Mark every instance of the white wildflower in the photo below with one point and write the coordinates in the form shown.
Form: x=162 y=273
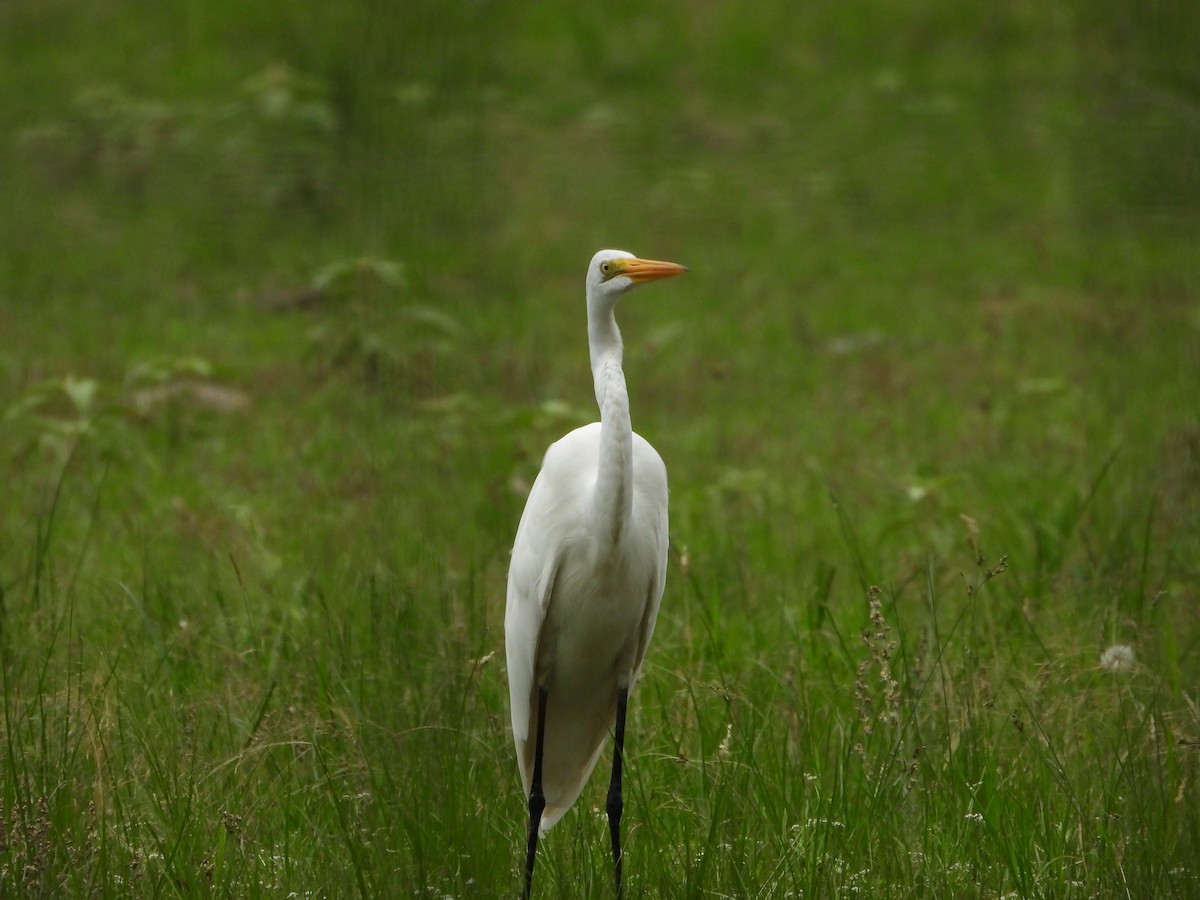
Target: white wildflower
x=723 y=749
x=1117 y=658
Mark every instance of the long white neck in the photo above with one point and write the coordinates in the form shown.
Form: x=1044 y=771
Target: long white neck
x=613 y=498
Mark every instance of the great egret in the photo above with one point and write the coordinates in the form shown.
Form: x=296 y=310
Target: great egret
x=585 y=579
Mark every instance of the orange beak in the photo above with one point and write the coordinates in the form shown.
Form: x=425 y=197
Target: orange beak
x=639 y=271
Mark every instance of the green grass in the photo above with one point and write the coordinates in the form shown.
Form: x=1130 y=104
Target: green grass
x=291 y=304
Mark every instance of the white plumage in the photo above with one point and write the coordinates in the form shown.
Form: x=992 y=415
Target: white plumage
x=587 y=571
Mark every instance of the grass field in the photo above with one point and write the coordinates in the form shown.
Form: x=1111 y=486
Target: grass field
x=291 y=304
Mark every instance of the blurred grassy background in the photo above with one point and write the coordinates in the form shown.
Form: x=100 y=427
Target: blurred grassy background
x=291 y=303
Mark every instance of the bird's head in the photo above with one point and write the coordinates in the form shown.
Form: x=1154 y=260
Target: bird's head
x=613 y=273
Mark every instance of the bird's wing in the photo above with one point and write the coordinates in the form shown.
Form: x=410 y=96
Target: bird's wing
x=652 y=475
x=531 y=574
x=646 y=630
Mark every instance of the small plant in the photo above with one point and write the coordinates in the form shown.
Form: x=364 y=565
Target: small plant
x=365 y=332
x=272 y=144
x=53 y=416
x=279 y=139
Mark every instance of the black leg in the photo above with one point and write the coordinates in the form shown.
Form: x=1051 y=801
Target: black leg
x=537 y=800
x=615 y=803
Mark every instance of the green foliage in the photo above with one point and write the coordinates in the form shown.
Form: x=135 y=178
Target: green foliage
x=291 y=305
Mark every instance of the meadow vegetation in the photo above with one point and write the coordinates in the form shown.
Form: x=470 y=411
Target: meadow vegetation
x=291 y=304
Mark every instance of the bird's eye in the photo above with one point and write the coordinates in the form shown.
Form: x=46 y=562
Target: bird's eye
x=604 y=267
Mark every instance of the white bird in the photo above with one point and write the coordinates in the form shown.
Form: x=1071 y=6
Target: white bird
x=585 y=579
